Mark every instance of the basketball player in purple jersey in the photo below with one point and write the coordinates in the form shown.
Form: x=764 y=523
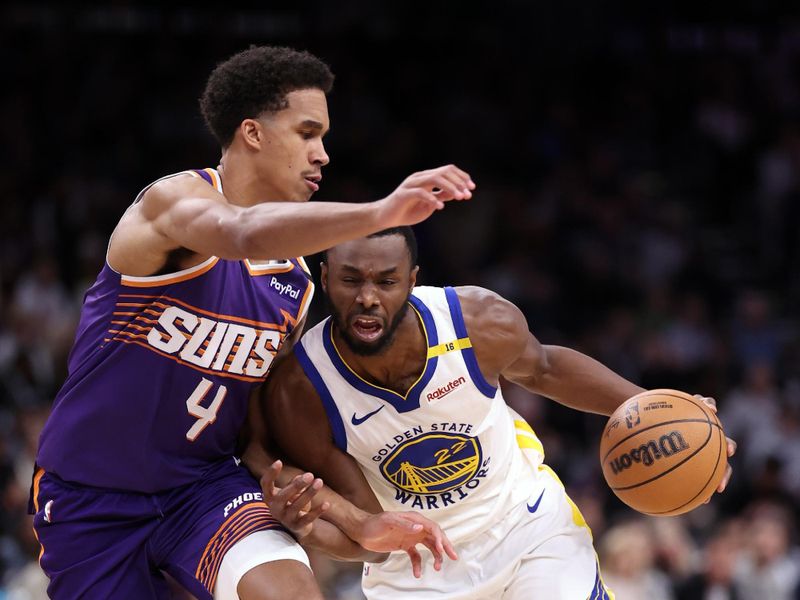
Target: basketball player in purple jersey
x=201 y=289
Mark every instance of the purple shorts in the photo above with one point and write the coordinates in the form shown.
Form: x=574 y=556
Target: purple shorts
x=101 y=544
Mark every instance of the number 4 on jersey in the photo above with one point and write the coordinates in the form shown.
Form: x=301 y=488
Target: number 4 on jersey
x=205 y=416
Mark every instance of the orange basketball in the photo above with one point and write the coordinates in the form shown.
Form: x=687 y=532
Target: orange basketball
x=663 y=452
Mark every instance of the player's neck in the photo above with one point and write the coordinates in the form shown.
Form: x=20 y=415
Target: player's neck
x=399 y=364
x=241 y=184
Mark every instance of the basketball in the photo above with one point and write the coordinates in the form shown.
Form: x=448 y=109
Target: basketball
x=663 y=452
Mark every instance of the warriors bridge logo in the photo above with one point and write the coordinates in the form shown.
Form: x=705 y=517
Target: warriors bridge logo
x=443 y=467
x=651 y=451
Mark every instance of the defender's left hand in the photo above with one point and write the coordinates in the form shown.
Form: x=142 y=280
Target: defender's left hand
x=712 y=404
x=291 y=505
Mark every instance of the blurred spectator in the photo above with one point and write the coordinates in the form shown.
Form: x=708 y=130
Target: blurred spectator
x=756 y=336
x=689 y=340
x=787 y=451
x=715 y=579
x=751 y=413
x=675 y=552
x=41 y=300
x=628 y=562
x=770 y=565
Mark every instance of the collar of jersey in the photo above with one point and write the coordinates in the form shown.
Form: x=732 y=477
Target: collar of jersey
x=401 y=403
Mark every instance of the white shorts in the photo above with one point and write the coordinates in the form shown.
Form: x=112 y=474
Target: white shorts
x=542 y=549
x=256 y=549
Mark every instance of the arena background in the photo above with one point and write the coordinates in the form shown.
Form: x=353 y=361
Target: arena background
x=638 y=197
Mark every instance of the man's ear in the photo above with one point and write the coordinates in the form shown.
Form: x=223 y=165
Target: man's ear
x=323 y=276
x=252 y=133
x=413 y=279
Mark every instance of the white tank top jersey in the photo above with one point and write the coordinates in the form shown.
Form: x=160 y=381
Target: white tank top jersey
x=448 y=447
x=453 y=450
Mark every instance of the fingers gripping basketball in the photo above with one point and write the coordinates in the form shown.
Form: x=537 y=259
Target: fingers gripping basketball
x=663 y=452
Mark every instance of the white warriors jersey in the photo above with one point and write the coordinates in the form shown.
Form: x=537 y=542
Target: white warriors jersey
x=449 y=447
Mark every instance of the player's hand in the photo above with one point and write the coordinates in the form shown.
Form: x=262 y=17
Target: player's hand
x=712 y=404
x=291 y=505
x=421 y=193
x=389 y=531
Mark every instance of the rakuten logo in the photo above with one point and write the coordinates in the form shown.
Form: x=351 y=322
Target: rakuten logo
x=441 y=392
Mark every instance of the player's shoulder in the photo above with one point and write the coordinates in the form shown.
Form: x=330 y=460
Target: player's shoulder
x=476 y=294
x=289 y=395
x=288 y=376
x=167 y=190
x=490 y=317
x=486 y=306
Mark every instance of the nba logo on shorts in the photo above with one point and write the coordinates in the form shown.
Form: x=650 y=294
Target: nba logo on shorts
x=47 y=509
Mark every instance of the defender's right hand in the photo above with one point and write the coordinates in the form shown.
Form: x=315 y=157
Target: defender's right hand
x=291 y=505
x=421 y=193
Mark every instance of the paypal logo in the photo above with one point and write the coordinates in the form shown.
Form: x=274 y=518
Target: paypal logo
x=285 y=289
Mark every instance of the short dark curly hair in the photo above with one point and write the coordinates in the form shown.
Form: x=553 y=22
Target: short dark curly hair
x=256 y=81
x=403 y=230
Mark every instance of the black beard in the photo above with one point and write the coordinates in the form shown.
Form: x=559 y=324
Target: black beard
x=355 y=345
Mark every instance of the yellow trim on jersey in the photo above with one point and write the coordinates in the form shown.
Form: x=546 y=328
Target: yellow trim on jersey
x=577 y=516
x=523 y=425
x=401 y=396
x=459 y=344
x=526 y=436
x=526 y=441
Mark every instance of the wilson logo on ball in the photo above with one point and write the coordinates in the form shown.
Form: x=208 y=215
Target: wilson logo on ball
x=646 y=454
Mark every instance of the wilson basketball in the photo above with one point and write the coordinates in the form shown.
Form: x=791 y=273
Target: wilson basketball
x=663 y=452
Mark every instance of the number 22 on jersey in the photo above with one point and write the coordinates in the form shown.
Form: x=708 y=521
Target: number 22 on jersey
x=205 y=415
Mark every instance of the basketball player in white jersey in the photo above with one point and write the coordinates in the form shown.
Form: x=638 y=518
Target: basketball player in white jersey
x=394 y=402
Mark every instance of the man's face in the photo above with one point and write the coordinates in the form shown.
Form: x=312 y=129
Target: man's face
x=291 y=154
x=367 y=283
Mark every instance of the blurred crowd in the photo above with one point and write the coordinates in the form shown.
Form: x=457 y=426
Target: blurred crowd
x=638 y=197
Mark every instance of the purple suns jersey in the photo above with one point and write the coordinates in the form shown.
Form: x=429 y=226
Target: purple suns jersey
x=162 y=369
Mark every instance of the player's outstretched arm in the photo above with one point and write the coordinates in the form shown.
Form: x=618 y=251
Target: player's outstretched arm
x=298 y=426
x=505 y=347
x=185 y=212
x=295 y=498
x=294 y=506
